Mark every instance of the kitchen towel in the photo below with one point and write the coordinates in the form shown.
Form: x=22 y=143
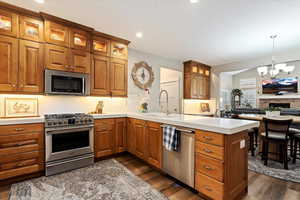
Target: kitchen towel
x=171 y=138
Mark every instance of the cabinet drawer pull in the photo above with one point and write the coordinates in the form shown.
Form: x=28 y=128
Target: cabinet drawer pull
x=208 y=168
x=19 y=129
x=20 y=164
x=208 y=188
x=207 y=150
x=208 y=138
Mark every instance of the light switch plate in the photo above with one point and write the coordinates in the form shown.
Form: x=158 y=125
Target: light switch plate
x=242 y=144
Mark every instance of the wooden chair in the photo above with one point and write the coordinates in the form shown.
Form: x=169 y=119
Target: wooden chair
x=296 y=145
x=292 y=133
x=276 y=131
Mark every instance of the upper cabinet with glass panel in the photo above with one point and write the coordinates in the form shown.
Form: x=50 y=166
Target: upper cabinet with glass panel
x=31 y=29
x=101 y=46
x=79 y=39
x=119 y=50
x=8 y=23
x=56 y=33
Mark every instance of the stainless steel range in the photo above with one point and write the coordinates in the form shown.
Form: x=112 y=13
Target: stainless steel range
x=69 y=142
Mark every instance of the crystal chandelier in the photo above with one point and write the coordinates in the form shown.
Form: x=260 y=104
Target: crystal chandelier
x=274 y=69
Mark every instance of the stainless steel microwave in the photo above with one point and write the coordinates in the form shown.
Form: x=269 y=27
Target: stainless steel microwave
x=66 y=83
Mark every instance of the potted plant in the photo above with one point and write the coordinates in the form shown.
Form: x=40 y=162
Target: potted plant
x=273 y=112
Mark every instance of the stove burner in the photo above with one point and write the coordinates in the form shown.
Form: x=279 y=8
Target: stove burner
x=61 y=120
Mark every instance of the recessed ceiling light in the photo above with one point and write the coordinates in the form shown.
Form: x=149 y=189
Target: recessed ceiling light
x=139 y=34
x=40 y=1
x=194 y=1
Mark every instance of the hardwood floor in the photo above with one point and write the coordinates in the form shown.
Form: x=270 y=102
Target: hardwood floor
x=261 y=187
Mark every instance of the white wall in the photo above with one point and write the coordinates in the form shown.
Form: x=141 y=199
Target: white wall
x=135 y=94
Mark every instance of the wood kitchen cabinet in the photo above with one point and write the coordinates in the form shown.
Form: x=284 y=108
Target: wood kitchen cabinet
x=9 y=23
x=8 y=64
x=101 y=46
x=144 y=139
x=118 y=77
x=131 y=139
x=196 y=80
x=154 y=144
x=80 y=61
x=21 y=150
x=56 y=33
x=100 y=77
x=118 y=50
x=31 y=29
x=30 y=74
x=65 y=59
x=218 y=174
x=140 y=138
x=121 y=134
x=57 y=57
x=104 y=138
x=79 y=39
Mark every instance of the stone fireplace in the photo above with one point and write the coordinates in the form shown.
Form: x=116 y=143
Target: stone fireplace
x=283 y=103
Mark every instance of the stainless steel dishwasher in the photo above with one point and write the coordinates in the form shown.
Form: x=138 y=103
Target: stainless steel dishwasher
x=181 y=164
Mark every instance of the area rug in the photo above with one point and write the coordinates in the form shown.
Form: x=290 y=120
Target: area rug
x=105 y=180
x=275 y=169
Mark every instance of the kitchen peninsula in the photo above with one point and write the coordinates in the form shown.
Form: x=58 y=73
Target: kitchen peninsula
x=220 y=150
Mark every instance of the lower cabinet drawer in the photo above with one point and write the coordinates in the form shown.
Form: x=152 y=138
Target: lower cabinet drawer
x=210 y=167
x=6 y=174
x=21 y=160
x=209 y=186
x=21 y=143
x=210 y=150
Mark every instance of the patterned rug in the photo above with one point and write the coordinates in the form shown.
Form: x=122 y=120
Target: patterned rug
x=105 y=180
x=275 y=169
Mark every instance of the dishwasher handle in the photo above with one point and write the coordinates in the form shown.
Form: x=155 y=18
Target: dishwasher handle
x=184 y=130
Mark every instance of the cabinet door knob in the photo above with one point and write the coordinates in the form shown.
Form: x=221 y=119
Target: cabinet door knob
x=14 y=85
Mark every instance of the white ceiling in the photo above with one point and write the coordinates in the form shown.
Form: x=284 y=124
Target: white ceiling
x=212 y=31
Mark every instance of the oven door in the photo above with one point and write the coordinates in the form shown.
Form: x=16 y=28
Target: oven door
x=69 y=142
x=66 y=83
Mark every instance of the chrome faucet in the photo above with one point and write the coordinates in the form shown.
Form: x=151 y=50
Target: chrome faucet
x=167 y=95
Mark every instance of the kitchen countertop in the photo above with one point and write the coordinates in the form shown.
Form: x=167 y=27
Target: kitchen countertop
x=219 y=125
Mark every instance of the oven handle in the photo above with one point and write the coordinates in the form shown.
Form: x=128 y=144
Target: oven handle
x=54 y=132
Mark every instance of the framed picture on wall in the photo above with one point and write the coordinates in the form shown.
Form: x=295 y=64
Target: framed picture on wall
x=21 y=107
x=205 y=107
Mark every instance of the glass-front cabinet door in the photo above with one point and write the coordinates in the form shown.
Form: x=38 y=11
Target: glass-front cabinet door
x=119 y=50
x=79 y=40
x=56 y=34
x=101 y=46
x=8 y=23
x=31 y=29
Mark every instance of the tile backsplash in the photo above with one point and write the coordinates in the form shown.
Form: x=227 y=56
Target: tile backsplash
x=71 y=104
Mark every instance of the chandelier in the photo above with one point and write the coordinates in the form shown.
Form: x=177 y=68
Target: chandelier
x=274 y=69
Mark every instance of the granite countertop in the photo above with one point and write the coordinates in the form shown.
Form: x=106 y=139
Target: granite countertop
x=219 y=125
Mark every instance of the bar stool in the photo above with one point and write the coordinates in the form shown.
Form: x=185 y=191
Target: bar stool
x=276 y=131
x=292 y=132
x=296 y=145
x=253 y=137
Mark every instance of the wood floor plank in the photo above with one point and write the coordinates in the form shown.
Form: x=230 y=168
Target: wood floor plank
x=149 y=175
x=172 y=189
x=182 y=194
x=160 y=182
